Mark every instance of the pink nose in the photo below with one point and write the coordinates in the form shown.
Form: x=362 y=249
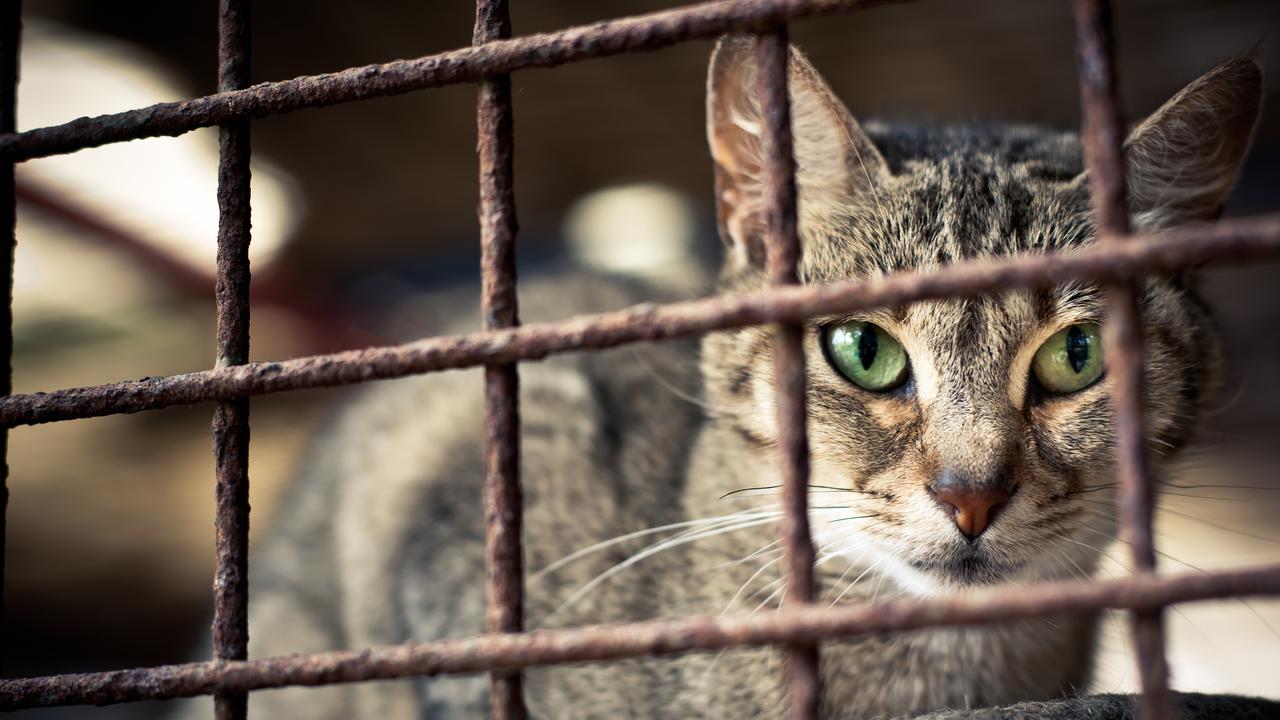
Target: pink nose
x=972 y=507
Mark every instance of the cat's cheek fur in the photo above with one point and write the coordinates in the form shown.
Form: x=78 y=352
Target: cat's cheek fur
x=1066 y=430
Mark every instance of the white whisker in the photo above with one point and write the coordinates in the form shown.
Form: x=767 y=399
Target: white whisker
x=738 y=595
x=657 y=548
x=638 y=534
x=856 y=580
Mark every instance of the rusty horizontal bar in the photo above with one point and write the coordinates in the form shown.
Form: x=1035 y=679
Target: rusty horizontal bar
x=507 y=651
x=471 y=64
x=1226 y=241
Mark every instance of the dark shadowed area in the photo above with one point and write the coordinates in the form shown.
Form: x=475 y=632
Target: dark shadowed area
x=362 y=209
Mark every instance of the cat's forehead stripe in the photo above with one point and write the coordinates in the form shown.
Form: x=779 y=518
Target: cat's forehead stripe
x=939 y=212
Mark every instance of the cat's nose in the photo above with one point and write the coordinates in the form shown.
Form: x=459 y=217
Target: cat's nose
x=973 y=506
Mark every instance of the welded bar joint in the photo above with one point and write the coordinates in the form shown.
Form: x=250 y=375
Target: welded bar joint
x=231 y=416
x=1103 y=135
x=782 y=244
x=504 y=554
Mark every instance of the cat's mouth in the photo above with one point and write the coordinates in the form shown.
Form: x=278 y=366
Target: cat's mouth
x=967 y=566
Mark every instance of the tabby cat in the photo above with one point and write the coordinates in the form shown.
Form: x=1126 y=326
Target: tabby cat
x=951 y=440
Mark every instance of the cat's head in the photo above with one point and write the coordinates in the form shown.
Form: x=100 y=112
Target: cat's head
x=975 y=433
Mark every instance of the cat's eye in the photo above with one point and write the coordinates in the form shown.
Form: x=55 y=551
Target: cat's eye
x=867 y=355
x=1071 y=360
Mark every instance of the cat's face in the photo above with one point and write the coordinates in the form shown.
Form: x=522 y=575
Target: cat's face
x=964 y=441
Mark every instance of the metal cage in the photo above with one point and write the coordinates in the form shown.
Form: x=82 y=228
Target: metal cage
x=1117 y=261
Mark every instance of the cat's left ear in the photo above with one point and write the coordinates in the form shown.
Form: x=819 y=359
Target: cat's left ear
x=835 y=160
x=1185 y=157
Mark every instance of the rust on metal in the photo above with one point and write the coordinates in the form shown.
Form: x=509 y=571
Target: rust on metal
x=466 y=65
x=504 y=554
x=782 y=244
x=231 y=416
x=513 y=651
x=1103 y=135
x=1222 y=242
x=10 y=39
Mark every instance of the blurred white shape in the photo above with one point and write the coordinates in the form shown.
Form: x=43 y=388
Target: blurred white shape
x=162 y=190
x=58 y=275
x=640 y=229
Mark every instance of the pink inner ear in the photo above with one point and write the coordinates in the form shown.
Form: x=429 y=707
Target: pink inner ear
x=724 y=153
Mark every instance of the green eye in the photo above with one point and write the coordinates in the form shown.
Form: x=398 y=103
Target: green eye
x=1071 y=360
x=866 y=355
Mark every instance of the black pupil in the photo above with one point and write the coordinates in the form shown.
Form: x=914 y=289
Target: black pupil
x=1077 y=348
x=867 y=346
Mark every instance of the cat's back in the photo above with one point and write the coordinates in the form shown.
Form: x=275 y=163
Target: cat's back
x=380 y=539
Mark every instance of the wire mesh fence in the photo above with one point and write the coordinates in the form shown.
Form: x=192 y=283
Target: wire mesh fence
x=1117 y=261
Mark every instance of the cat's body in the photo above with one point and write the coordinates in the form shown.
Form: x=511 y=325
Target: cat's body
x=612 y=444
x=381 y=541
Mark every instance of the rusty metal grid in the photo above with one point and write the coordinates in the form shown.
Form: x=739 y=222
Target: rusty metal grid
x=1118 y=260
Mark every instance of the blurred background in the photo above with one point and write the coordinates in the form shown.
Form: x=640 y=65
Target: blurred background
x=361 y=208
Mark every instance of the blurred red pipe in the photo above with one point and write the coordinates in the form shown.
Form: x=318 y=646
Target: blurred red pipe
x=327 y=327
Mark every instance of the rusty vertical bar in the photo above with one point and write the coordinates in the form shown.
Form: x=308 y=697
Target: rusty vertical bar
x=1103 y=146
x=783 y=252
x=10 y=41
x=231 y=417
x=504 y=555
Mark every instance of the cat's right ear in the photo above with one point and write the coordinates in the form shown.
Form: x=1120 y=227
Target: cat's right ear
x=835 y=160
